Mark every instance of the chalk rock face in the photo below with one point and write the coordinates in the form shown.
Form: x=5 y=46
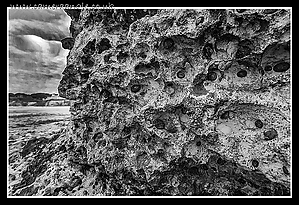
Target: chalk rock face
x=178 y=102
x=148 y=85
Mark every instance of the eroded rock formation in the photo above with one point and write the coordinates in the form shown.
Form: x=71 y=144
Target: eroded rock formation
x=174 y=102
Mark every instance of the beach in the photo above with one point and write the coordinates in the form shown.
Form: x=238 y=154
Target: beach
x=27 y=123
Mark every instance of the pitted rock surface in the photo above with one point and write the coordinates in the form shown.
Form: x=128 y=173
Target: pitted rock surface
x=165 y=102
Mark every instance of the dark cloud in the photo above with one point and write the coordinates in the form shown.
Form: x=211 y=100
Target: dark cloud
x=45 y=23
x=44 y=15
x=45 y=30
x=36 y=58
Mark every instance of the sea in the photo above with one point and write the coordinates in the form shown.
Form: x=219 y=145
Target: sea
x=25 y=122
x=28 y=116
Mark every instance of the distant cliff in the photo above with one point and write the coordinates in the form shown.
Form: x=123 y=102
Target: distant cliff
x=37 y=99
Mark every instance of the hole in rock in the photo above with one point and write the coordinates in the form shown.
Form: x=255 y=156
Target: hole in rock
x=103 y=45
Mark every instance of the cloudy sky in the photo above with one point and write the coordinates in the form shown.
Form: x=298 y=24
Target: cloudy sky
x=36 y=58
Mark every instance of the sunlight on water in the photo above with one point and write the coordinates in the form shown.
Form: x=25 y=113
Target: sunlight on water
x=28 y=116
x=21 y=110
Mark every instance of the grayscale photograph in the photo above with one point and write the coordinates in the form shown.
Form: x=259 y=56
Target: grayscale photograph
x=152 y=102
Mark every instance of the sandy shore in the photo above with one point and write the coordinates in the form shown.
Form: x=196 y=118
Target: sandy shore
x=28 y=124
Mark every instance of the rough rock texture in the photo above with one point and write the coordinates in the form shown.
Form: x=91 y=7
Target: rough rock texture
x=175 y=102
